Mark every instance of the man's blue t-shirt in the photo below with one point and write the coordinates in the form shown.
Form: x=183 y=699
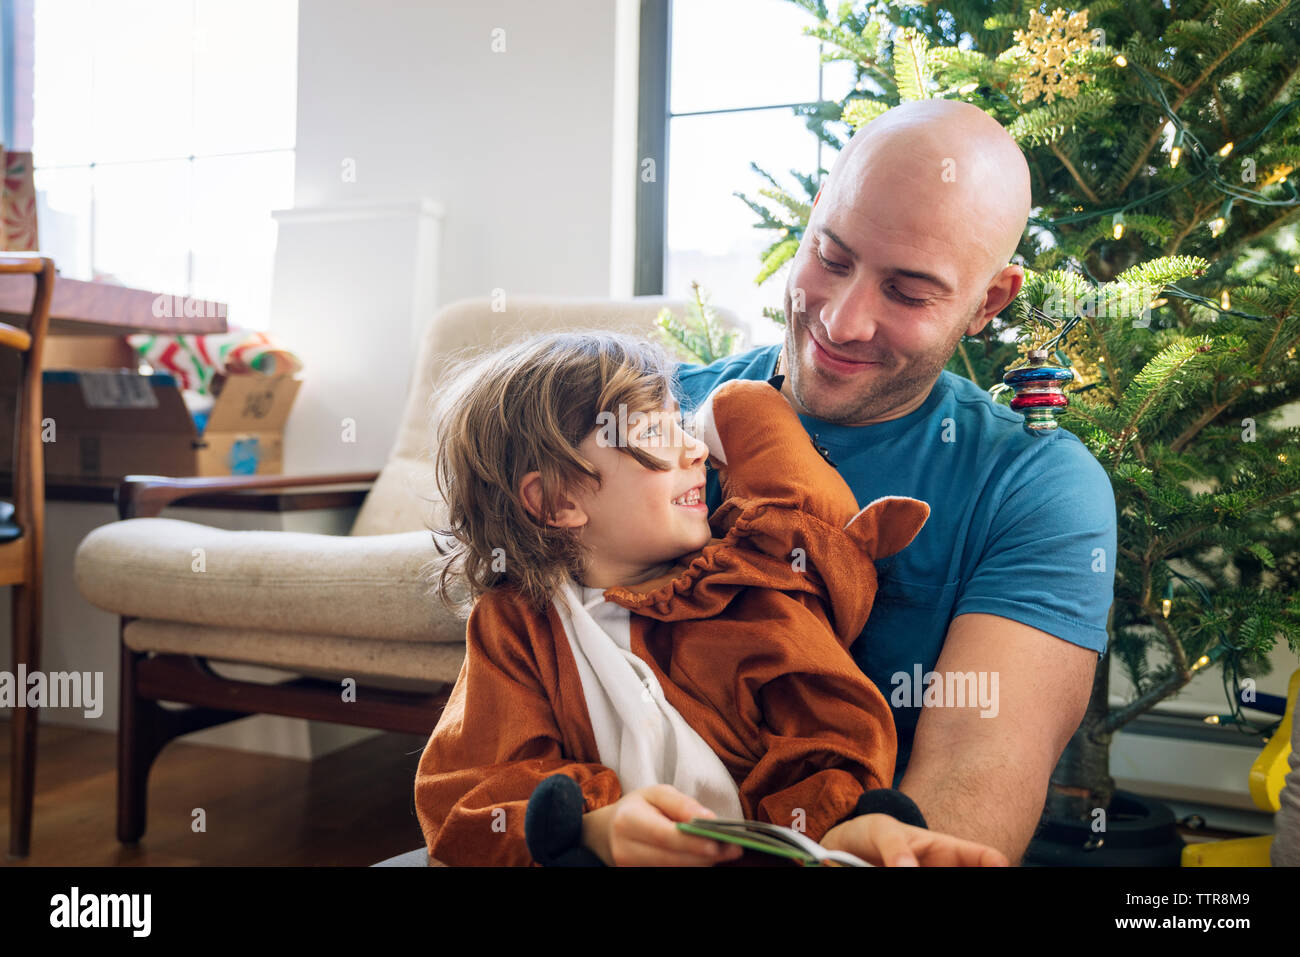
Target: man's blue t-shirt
x=1020 y=526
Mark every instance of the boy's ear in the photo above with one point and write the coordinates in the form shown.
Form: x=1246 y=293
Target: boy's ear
x=569 y=515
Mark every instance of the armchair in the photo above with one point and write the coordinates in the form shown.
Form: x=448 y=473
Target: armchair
x=322 y=607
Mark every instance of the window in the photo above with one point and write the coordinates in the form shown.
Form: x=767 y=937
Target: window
x=162 y=134
x=737 y=68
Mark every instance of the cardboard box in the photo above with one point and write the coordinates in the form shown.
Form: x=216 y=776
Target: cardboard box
x=108 y=423
x=87 y=352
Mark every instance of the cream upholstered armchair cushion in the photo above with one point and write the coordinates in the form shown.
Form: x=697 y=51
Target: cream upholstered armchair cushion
x=327 y=605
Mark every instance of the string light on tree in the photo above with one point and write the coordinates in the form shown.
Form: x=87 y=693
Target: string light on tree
x=1208 y=175
x=1220 y=222
x=1204 y=661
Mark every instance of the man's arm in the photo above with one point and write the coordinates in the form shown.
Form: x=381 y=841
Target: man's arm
x=985 y=778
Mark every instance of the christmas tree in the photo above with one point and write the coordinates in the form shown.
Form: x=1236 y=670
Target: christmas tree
x=1161 y=269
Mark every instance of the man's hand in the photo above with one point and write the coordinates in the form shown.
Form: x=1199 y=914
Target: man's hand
x=640 y=830
x=986 y=778
x=885 y=841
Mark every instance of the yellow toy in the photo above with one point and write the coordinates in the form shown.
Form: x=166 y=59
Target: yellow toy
x=1267 y=776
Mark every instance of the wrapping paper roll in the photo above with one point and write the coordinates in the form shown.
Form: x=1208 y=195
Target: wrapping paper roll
x=195 y=360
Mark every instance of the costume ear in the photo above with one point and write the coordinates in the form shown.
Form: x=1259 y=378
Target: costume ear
x=888 y=525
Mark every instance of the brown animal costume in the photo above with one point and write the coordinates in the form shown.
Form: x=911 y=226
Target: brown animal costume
x=748 y=638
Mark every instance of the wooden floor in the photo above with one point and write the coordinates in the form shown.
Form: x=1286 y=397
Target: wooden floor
x=352 y=807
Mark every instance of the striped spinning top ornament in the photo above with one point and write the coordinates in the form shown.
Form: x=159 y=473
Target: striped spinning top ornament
x=1040 y=391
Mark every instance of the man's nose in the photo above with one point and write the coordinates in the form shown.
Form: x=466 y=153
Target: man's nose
x=851 y=316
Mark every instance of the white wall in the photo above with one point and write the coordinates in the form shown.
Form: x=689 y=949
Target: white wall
x=515 y=146
x=406 y=105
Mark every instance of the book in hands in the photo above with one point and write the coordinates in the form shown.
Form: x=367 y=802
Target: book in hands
x=770 y=839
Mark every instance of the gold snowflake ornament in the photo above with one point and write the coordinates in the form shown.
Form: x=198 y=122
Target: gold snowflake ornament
x=1048 y=43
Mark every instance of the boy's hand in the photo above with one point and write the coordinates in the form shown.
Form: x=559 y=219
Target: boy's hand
x=883 y=840
x=640 y=830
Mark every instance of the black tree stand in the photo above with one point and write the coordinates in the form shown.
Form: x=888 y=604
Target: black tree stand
x=1140 y=832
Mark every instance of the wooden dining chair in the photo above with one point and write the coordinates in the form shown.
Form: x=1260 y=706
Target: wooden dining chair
x=22 y=534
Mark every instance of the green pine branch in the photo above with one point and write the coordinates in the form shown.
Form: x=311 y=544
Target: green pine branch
x=700 y=335
x=1050 y=122
x=912 y=72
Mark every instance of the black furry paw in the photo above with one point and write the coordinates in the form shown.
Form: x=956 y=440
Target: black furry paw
x=888 y=801
x=553 y=825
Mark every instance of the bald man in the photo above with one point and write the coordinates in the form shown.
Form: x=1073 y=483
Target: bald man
x=1005 y=594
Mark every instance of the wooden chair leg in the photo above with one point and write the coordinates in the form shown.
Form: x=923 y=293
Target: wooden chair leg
x=138 y=726
x=26 y=623
x=144 y=727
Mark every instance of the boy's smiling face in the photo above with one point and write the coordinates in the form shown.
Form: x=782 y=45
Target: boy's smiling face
x=639 y=519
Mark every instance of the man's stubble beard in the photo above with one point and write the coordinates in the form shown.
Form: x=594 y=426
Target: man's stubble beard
x=883 y=390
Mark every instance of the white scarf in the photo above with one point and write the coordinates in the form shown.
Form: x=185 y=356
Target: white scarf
x=639 y=735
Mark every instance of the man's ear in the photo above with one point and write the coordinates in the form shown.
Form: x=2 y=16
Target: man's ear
x=569 y=515
x=1002 y=290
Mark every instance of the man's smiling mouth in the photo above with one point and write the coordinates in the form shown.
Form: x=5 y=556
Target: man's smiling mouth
x=833 y=359
x=828 y=361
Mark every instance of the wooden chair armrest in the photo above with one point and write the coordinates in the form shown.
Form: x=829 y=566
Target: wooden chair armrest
x=11 y=337
x=144 y=496
x=20 y=263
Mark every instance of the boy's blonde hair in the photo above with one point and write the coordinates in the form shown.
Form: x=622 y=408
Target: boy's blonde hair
x=521 y=409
